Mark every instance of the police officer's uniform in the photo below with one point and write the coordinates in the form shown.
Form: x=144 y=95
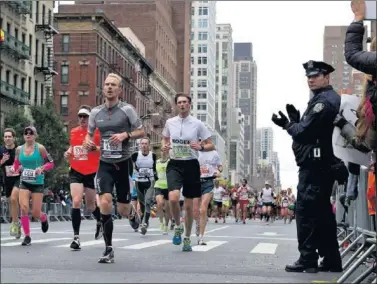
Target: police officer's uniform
x=312 y=147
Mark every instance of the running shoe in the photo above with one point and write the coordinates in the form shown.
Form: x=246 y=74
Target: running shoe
x=108 y=256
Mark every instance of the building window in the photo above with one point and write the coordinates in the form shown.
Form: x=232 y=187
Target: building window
x=202 y=60
x=65 y=43
x=203 y=23
x=203 y=11
x=202 y=83
x=64 y=105
x=202 y=36
x=202 y=106
x=202 y=117
x=202 y=71
x=202 y=95
x=202 y=48
x=192 y=11
x=64 y=74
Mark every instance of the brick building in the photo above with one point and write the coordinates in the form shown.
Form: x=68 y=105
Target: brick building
x=88 y=48
x=162 y=26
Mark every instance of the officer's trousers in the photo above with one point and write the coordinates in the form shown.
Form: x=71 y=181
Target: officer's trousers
x=315 y=221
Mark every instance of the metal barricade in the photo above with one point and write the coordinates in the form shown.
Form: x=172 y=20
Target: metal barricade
x=363 y=239
x=4 y=212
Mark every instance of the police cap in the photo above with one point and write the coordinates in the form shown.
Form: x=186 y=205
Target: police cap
x=314 y=68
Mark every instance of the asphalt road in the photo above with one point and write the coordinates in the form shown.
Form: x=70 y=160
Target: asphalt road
x=252 y=253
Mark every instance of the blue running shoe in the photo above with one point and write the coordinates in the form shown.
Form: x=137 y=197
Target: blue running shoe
x=177 y=238
x=186 y=244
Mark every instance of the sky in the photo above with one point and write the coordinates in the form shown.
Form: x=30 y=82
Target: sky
x=285 y=34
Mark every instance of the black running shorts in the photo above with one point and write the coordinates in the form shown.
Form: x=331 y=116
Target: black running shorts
x=110 y=175
x=86 y=180
x=184 y=174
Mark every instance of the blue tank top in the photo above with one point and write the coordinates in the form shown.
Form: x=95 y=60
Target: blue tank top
x=29 y=164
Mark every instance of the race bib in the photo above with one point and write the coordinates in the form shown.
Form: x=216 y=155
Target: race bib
x=10 y=173
x=145 y=172
x=80 y=153
x=204 y=170
x=111 y=151
x=162 y=175
x=181 y=151
x=29 y=175
x=285 y=203
x=234 y=195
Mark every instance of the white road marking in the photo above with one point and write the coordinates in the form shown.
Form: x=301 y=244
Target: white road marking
x=268 y=234
x=253 y=238
x=147 y=244
x=13 y=244
x=217 y=229
x=7 y=239
x=210 y=245
x=265 y=248
x=90 y=243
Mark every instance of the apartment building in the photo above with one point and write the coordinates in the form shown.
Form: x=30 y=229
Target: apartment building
x=162 y=26
x=26 y=61
x=90 y=47
x=203 y=62
x=236 y=158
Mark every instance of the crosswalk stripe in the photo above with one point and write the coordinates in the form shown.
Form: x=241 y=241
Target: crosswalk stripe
x=13 y=244
x=7 y=239
x=264 y=248
x=147 y=244
x=90 y=243
x=210 y=245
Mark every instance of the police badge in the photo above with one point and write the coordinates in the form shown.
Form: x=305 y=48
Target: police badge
x=318 y=107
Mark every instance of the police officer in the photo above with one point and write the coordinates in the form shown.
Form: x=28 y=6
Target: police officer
x=312 y=147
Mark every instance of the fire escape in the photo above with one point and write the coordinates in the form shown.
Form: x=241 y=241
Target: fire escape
x=17 y=51
x=48 y=66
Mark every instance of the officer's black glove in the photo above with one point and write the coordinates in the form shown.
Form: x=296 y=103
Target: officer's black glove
x=340 y=121
x=293 y=113
x=281 y=121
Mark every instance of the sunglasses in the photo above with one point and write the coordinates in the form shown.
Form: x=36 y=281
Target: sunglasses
x=28 y=132
x=83 y=116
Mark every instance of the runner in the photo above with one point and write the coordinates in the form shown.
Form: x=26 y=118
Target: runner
x=218 y=192
x=146 y=174
x=291 y=205
x=251 y=206
x=32 y=160
x=134 y=201
x=284 y=203
x=181 y=138
x=226 y=202
x=234 y=197
x=162 y=193
x=83 y=167
x=117 y=123
x=243 y=193
x=267 y=196
x=210 y=168
x=11 y=179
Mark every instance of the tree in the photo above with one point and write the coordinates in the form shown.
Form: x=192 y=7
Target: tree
x=49 y=125
x=17 y=120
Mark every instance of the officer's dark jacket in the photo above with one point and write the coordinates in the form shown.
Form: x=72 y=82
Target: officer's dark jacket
x=364 y=61
x=315 y=129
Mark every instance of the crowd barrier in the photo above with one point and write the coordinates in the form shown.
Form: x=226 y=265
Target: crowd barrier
x=357 y=238
x=56 y=212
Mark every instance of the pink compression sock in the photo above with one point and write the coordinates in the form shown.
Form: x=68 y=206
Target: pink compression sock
x=43 y=217
x=25 y=222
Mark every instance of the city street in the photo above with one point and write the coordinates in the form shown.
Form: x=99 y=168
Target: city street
x=253 y=253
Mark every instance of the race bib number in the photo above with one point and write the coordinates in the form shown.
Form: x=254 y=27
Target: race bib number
x=29 y=175
x=181 y=151
x=204 y=170
x=111 y=151
x=145 y=172
x=10 y=173
x=80 y=153
x=234 y=195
